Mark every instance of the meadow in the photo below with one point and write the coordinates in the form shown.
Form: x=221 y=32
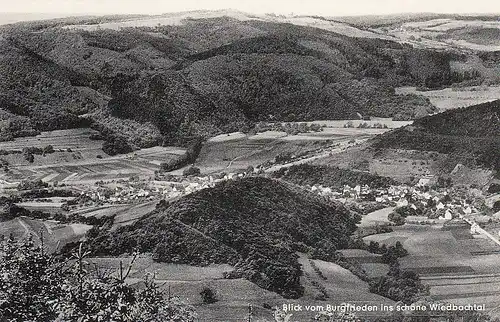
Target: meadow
x=53 y=233
x=235 y=295
x=79 y=160
x=377 y=217
x=237 y=151
x=450 y=98
x=458 y=267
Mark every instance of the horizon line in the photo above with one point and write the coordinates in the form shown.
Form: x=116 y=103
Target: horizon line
x=292 y=14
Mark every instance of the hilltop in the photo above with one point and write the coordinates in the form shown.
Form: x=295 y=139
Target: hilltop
x=331 y=176
x=459 y=145
x=470 y=133
x=255 y=224
x=182 y=77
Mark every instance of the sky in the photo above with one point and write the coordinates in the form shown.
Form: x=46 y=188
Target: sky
x=312 y=7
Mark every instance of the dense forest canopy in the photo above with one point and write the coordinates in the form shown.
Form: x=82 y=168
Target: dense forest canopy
x=203 y=77
x=255 y=224
x=472 y=132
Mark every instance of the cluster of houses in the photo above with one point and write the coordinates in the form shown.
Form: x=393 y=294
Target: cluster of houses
x=441 y=204
x=126 y=192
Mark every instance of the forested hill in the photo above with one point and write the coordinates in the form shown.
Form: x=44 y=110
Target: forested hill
x=256 y=224
x=472 y=132
x=202 y=77
x=482 y=120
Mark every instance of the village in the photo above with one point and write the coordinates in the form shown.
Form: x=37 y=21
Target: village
x=427 y=203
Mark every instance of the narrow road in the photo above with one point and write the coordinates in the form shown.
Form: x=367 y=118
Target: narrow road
x=480 y=230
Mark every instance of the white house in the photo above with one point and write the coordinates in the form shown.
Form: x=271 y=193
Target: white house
x=402 y=202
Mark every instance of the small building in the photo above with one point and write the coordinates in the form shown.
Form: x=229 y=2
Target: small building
x=402 y=202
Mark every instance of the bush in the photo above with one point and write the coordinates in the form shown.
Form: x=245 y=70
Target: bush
x=396 y=218
x=31 y=185
x=48 y=149
x=116 y=144
x=36 y=286
x=399 y=285
x=191 y=171
x=494 y=188
x=208 y=295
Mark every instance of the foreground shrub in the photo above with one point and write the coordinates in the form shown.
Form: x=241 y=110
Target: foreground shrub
x=36 y=286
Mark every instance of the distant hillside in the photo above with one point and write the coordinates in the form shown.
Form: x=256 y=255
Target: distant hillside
x=255 y=224
x=329 y=176
x=473 y=132
x=203 y=76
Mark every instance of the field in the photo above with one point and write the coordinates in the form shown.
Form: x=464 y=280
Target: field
x=186 y=282
x=449 y=98
x=229 y=152
x=132 y=213
x=241 y=153
x=180 y=18
x=54 y=234
x=376 y=217
x=339 y=284
x=79 y=160
x=52 y=206
x=447 y=33
x=371 y=263
x=458 y=267
x=124 y=214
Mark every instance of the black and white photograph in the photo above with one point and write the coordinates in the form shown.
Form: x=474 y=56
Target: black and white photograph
x=249 y=161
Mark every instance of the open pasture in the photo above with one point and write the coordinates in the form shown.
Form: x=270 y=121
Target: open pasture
x=144 y=264
x=78 y=159
x=371 y=263
x=75 y=139
x=186 y=282
x=239 y=154
x=449 y=98
x=88 y=170
x=378 y=217
x=458 y=268
x=55 y=235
